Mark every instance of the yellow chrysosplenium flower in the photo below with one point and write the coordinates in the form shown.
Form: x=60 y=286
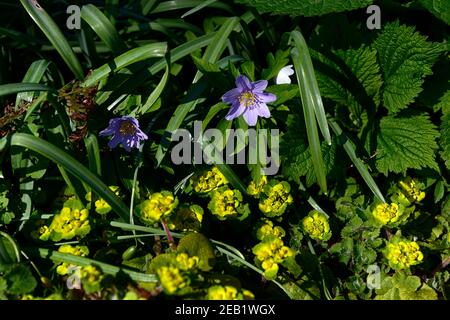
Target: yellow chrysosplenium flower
x=275 y=199
x=403 y=254
x=254 y=189
x=209 y=181
x=66 y=225
x=160 y=205
x=316 y=226
x=410 y=191
x=101 y=206
x=171 y=279
x=91 y=278
x=269 y=253
x=81 y=251
x=226 y=203
x=387 y=213
x=185 y=262
x=228 y=293
x=267 y=229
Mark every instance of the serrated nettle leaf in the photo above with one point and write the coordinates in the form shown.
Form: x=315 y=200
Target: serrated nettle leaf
x=437 y=7
x=405 y=57
x=406 y=143
x=355 y=81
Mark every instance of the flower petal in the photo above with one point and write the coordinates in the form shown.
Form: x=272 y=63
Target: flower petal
x=115 y=141
x=235 y=111
x=263 y=110
x=266 y=97
x=251 y=116
x=231 y=96
x=283 y=75
x=243 y=83
x=260 y=86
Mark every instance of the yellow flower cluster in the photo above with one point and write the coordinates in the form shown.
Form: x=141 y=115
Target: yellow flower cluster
x=227 y=203
x=254 y=189
x=267 y=229
x=171 y=279
x=91 y=278
x=277 y=199
x=403 y=254
x=160 y=205
x=80 y=251
x=410 y=192
x=228 y=293
x=316 y=226
x=101 y=206
x=66 y=225
x=185 y=262
x=387 y=213
x=271 y=252
x=208 y=181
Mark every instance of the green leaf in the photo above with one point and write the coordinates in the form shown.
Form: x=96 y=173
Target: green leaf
x=152 y=50
x=196 y=244
x=306 y=7
x=296 y=156
x=404 y=287
x=444 y=104
x=103 y=28
x=93 y=154
x=13 y=88
x=405 y=57
x=440 y=8
x=74 y=167
x=54 y=35
x=20 y=279
x=156 y=93
x=406 y=143
x=34 y=75
x=350 y=82
x=9 y=251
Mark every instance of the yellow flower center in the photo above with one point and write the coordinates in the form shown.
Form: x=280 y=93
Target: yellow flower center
x=247 y=99
x=127 y=128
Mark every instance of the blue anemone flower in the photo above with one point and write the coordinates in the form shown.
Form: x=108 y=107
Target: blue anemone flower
x=125 y=130
x=249 y=100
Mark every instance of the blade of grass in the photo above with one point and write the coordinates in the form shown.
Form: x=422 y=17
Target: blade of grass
x=153 y=50
x=310 y=121
x=310 y=82
x=13 y=88
x=34 y=74
x=73 y=166
x=350 y=148
x=183 y=4
x=93 y=154
x=197 y=8
x=83 y=261
x=103 y=27
x=156 y=93
x=54 y=35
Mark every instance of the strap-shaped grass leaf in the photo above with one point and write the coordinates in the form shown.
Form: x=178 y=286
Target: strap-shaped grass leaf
x=34 y=75
x=156 y=93
x=93 y=154
x=310 y=121
x=13 y=88
x=103 y=28
x=83 y=261
x=406 y=143
x=73 y=166
x=309 y=80
x=198 y=8
x=212 y=54
x=54 y=35
x=350 y=148
x=153 y=50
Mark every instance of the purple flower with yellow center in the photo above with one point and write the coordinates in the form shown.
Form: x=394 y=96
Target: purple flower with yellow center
x=249 y=100
x=126 y=131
